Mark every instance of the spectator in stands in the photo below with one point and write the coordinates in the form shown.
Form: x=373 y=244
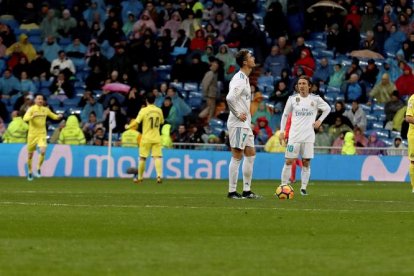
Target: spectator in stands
x=99 y=138
x=9 y=84
x=120 y=62
x=145 y=77
x=174 y=24
x=197 y=69
x=235 y=36
x=228 y=60
x=275 y=20
x=145 y=21
x=76 y=51
x=382 y=91
x=2 y=129
x=219 y=6
x=399 y=123
x=160 y=94
x=50 y=49
x=130 y=138
x=26 y=84
x=181 y=136
x=113 y=34
x=134 y=102
x=183 y=109
x=369 y=43
x=360 y=140
x=190 y=25
x=392 y=106
x=82 y=31
x=23 y=102
x=404 y=24
x=195 y=135
x=96 y=31
x=4 y=113
x=7 y=34
x=120 y=117
x=390 y=66
x=166 y=140
x=369 y=73
x=280 y=94
x=348 y=147
x=394 y=42
x=49 y=25
x=89 y=127
x=374 y=142
x=91 y=106
x=221 y=24
x=339 y=127
x=94 y=13
x=23 y=65
x=348 y=39
x=405 y=82
x=209 y=87
x=61 y=88
x=28 y=14
x=354 y=68
x=198 y=43
x=285 y=48
x=66 y=24
x=24 y=46
x=337 y=78
x=72 y=134
x=398 y=148
x=17 y=129
x=262 y=112
x=262 y=131
x=369 y=18
x=338 y=143
x=275 y=62
x=252 y=37
x=3 y=48
x=381 y=34
x=322 y=139
x=62 y=64
x=355 y=90
x=323 y=71
x=15 y=57
x=357 y=116
x=170 y=113
x=273 y=143
x=306 y=62
x=332 y=38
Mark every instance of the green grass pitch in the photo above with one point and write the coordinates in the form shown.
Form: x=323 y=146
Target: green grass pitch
x=66 y=226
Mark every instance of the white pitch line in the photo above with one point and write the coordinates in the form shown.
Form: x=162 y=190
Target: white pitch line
x=14 y=203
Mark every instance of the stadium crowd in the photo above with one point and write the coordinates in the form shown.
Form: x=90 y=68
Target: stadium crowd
x=360 y=59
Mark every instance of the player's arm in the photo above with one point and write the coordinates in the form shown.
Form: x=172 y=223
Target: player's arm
x=28 y=115
x=409 y=114
x=137 y=121
x=53 y=116
x=232 y=99
x=288 y=109
x=326 y=109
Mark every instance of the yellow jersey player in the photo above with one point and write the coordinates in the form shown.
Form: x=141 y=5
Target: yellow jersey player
x=409 y=117
x=36 y=117
x=151 y=118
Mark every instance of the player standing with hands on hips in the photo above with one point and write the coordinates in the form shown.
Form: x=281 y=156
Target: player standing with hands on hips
x=304 y=107
x=36 y=116
x=239 y=125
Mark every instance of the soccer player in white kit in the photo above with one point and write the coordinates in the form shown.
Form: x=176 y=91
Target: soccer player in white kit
x=304 y=107
x=239 y=125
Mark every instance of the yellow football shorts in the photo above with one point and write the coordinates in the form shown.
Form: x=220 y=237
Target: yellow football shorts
x=34 y=141
x=410 y=140
x=154 y=148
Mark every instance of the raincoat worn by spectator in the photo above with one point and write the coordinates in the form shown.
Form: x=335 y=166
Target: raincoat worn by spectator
x=130 y=138
x=273 y=144
x=72 y=134
x=16 y=131
x=306 y=62
x=166 y=140
x=349 y=144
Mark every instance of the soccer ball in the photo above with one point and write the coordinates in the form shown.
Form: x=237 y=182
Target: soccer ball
x=284 y=192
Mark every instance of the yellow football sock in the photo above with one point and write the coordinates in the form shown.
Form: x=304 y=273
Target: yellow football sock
x=412 y=174
x=29 y=164
x=41 y=159
x=141 y=169
x=158 y=166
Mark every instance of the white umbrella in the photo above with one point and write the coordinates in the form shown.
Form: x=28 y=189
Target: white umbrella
x=327 y=5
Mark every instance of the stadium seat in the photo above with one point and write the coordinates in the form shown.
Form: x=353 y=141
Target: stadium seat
x=388 y=141
x=71 y=102
x=75 y=110
x=195 y=100
x=190 y=86
x=13 y=23
x=35 y=40
x=216 y=123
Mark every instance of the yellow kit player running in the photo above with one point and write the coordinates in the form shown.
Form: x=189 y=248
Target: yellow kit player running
x=36 y=117
x=409 y=117
x=151 y=118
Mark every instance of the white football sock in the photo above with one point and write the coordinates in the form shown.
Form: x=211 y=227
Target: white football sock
x=247 y=169
x=233 y=174
x=305 y=175
x=286 y=172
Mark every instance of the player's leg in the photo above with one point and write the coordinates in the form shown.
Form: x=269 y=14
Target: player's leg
x=235 y=138
x=292 y=178
x=247 y=167
x=144 y=151
x=42 y=144
x=307 y=155
x=411 y=168
x=291 y=153
x=31 y=148
x=157 y=155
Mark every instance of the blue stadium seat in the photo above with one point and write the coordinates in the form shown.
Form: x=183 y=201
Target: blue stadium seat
x=388 y=141
x=216 y=123
x=195 y=100
x=190 y=86
x=54 y=102
x=13 y=23
x=34 y=39
x=75 y=110
x=71 y=102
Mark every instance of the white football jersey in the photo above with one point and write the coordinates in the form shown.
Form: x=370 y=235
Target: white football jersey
x=238 y=99
x=304 y=111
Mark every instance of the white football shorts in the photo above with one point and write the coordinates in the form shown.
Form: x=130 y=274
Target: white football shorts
x=241 y=137
x=294 y=150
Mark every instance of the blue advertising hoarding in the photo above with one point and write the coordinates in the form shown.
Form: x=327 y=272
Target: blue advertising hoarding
x=92 y=161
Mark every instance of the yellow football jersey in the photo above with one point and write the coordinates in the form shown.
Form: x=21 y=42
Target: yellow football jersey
x=151 y=118
x=36 y=116
x=410 y=112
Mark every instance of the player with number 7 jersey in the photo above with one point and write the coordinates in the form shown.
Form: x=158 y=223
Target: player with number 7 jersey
x=151 y=118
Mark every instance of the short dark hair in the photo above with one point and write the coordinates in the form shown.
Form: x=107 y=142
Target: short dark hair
x=150 y=98
x=241 y=56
